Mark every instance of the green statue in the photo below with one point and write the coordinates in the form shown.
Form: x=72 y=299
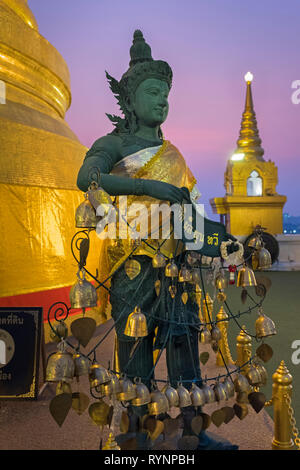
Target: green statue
x=135 y=160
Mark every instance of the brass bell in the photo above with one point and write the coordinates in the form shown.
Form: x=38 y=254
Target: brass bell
x=264 y=259
x=264 y=326
x=192 y=257
x=253 y=376
x=220 y=392
x=221 y=282
x=111 y=444
x=98 y=375
x=143 y=396
x=171 y=394
x=82 y=365
x=171 y=269
x=215 y=346
x=205 y=336
x=158 y=261
x=241 y=384
x=216 y=334
x=196 y=277
x=184 y=275
x=221 y=296
x=197 y=395
x=63 y=387
x=136 y=325
x=263 y=373
x=60 y=365
x=184 y=396
x=85 y=215
x=83 y=294
x=229 y=387
x=246 y=277
x=159 y=403
x=255 y=242
x=104 y=389
x=98 y=197
x=60 y=331
x=99 y=412
x=110 y=388
x=128 y=390
x=208 y=393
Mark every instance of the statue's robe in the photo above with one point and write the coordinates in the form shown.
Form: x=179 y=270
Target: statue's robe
x=162 y=163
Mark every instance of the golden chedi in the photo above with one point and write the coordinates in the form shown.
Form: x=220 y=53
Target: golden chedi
x=39 y=162
x=250 y=182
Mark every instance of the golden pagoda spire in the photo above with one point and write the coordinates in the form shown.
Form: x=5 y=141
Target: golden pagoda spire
x=21 y=8
x=249 y=142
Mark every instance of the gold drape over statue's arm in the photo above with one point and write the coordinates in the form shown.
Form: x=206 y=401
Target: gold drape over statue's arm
x=166 y=165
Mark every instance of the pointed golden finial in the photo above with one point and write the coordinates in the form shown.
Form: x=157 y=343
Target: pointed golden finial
x=223 y=354
x=249 y=142
x=208 y=305
x=282 y=375
x=281 y=398
x=111 y=443
x=243 y=349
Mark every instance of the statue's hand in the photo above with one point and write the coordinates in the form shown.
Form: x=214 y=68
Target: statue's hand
x=164 y=191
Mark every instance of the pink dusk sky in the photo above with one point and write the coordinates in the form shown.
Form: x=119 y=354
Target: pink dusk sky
x=210 y=45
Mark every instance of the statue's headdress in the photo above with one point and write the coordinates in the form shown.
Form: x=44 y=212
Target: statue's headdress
x=141 y=67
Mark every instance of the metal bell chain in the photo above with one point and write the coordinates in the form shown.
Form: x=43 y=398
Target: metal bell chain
x=292 y=419
x=101 y=284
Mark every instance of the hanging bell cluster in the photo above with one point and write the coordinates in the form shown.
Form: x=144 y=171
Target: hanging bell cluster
x=63 y=366
x=136 y=325
x=255 y=376
x=83 y=294
x=261 y=257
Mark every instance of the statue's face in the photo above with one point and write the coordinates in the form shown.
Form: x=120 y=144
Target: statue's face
x=150 y=102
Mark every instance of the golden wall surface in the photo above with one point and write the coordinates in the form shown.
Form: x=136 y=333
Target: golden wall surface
x=39 y=160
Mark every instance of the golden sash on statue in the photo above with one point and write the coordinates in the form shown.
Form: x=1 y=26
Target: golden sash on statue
x=163 y=163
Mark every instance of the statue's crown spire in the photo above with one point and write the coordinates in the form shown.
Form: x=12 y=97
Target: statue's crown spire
x=140 y=51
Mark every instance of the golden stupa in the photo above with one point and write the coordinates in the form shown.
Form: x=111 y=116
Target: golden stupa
x=250 y=182
x=39 y=161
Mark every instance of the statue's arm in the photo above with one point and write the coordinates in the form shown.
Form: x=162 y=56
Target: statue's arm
x=104 y=154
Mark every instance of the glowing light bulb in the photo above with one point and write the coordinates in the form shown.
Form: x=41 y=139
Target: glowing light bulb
x=248 y=77
x=237 y=156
